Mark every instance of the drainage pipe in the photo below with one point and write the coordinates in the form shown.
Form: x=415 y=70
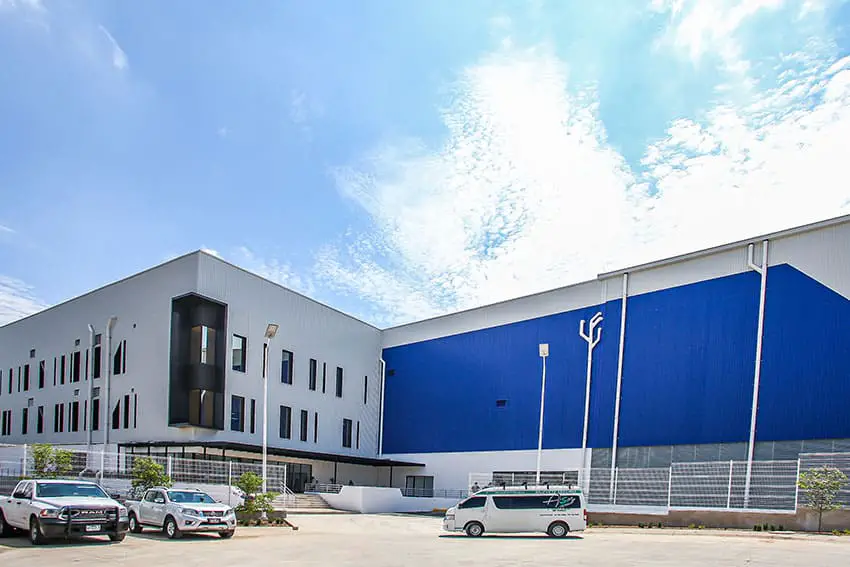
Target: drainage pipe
x=619 y=381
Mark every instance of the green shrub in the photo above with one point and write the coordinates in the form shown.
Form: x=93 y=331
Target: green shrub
x=49 y=462
x=757 y=528
x=147 y=473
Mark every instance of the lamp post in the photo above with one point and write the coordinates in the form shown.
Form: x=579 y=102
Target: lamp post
x=105 y=410
x=271 y=331
x=544 y=352
x=90 y=378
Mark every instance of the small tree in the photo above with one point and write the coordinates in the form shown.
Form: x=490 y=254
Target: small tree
x=49 y=462
x=147 y=473
x=255 y=501
x=821 y=486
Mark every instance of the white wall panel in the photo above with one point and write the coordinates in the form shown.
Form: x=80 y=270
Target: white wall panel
x=821 y=254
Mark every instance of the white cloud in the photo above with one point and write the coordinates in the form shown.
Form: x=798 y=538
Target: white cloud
x=223 y=132
x=119 y=58
x=6 y=229
x=17 y=300
x=272 y=269
x=525 y=194
x=35 y=5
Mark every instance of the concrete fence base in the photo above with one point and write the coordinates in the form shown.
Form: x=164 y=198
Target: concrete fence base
x=803 y=520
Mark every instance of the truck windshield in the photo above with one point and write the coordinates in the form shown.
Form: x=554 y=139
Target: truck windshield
x=64 y=489
x=189 y=497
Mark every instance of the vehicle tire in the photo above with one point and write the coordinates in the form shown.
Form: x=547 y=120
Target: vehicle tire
x=5 y=529
x=170 y=528
x=474 y=529
x=135 y=526
x=117 y=538
x=226 y=535
x=558 y=529
x=36 y=537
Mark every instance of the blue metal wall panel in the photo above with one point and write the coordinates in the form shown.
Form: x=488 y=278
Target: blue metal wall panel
x=688 y=373
x=805 y=383
x=689 y=361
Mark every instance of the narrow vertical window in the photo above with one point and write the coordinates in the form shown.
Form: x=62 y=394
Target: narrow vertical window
x=75 y=366
x=19 y=378
x=365 y=390
x=237 y=413
x=39 y=421
x=358 y=436
x=11 y=374
x=75 y=416
x=135 y=410
x=85 y=415
x=86 y=373
x=239 y=353
x=316 y=427
x=314 y=371
x=338 y=382
x=56 y=420
x=26 y=377
x=346 y=433
x=127 y=411
x=95 y=414
x=285 y=422
x=62 y=369
x=286 y=367
x=304 y=421
x=324 y=376
x=24 y=420
x=118 y=364
x=96 y=357
x=116 y=415
x=253 y=414
x=54 y=370
x=41 y=375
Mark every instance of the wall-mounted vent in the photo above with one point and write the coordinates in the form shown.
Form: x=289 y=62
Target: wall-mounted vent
x=76 y=342
x=95 y=392
x=30 y=402
x=32 y=353
x=501 y=403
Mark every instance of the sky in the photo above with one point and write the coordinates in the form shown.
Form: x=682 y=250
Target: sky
x=401 y=160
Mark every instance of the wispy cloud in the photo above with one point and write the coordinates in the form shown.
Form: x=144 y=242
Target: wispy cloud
x=17 y=300
x=119 y=58
x=272 y=269
x=6 y=229
x=36 y=5
x=526 y=193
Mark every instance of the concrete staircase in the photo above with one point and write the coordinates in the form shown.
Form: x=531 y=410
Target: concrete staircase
x=303 y=503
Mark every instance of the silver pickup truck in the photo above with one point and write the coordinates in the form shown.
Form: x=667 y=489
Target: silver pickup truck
x=177 y=510
x=48 y=509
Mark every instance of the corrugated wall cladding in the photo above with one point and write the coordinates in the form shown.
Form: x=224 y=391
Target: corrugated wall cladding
x=687 y=373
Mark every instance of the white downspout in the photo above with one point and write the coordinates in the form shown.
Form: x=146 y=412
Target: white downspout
x=381 y=419
x=762 y=270
x=619 y=382
x=90 y=378
x=591 y=344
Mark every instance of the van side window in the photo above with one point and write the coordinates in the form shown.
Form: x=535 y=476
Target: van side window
x=537 y=502
x=477 y=502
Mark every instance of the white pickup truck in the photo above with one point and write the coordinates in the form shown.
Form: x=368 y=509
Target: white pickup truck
x=49 y=509
x=176 y=511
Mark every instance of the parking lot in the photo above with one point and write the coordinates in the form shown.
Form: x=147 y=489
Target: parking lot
x=418 y=541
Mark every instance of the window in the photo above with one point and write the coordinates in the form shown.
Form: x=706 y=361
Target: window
x=24 y=420
x=474 y=502
x=265 y=358
x=537 y=502
x=421 y=486
x=75 y=367
x=324 y=376
x=237 y=413
x=239 y=354
x=62 y=369
x=96 y=358
x=253 y=414
x=86 y=373
x=304 y=418
x=316 y=427
x=95 y=414
x=58 y=418
x=19 y=378
x=202 y=408
x=338 y=382
x=285 y=422
x=119 y=361
x=346 y=433
x=203 y=344
x=11 y=373
x=54 y=370
x=41 y=375
x=75 y=416
x=7 y=423
x=127 y=411
x=365 y=390
x=39 y=420
x=357 y=437
x=286 y=364
x=26 y=377
x=116 y=415
x=32 y=353
x=1 y=382
x=314 y=371
x=85 y=414
x=135 y=410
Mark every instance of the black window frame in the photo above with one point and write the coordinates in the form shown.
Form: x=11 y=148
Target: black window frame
x=75 y=366
x=312 y=382
x=347 y=431
x=97 y=358
x=253 y=415
x=287 y=377
x=340 y=381
x=242 y=366
x=39 y=421
x=74 y=416
x=473 y=502
x=26 y=377
x=285 y=422
x=237 y=413
x=41 y=372
x=305 y=420
x=95 y=414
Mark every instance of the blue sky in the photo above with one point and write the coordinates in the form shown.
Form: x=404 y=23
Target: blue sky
x=399 y=160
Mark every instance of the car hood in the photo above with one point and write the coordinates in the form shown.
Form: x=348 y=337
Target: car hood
x=79 y=501
x=217 y=507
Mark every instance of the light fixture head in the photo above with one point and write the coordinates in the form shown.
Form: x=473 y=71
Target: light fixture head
x=111 y=323
x=271 y=330
x=544 y=349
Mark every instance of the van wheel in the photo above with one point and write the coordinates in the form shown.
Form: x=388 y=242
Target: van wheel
x=474 y=529
x=558 y=529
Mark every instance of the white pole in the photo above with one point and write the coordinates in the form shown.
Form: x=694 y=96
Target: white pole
x=106 y=409
x=762 y=270
x=90 y=378
x=729 y=491
x=670 y=487
x=24 y=466
x=285 y=487
x=619 y=381
x=544 y=352
x=266 y=411
x=381 y=424
x=169 y=466
x=616 y=478
x=797 y=486
x=591 y=344
x=229 y=481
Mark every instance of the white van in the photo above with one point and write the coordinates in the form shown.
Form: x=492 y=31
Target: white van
x=555 y=510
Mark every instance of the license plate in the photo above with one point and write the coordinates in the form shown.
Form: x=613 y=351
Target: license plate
x=92 y=528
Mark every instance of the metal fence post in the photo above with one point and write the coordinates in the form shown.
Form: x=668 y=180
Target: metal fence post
x=229 y=481
x=797 y=485
x=168 y=467
x=24 y=465
x=670 y=487
x=729 y=492
x=285 y=487
x=616 y=477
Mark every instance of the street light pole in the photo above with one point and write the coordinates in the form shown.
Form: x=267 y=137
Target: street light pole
x=90 y=378
x=544 y=352
x=105 y=410
x=271 y=331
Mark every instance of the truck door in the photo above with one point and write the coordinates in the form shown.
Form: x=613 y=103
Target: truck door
x=21 y=503
x=152 y=508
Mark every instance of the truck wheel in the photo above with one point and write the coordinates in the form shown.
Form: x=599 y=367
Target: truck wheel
x=117 y=538
x=36 y=537
x=558 y=529
x=171 y=529
x=474 y=529
x=5 y=529
x=135 y=526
